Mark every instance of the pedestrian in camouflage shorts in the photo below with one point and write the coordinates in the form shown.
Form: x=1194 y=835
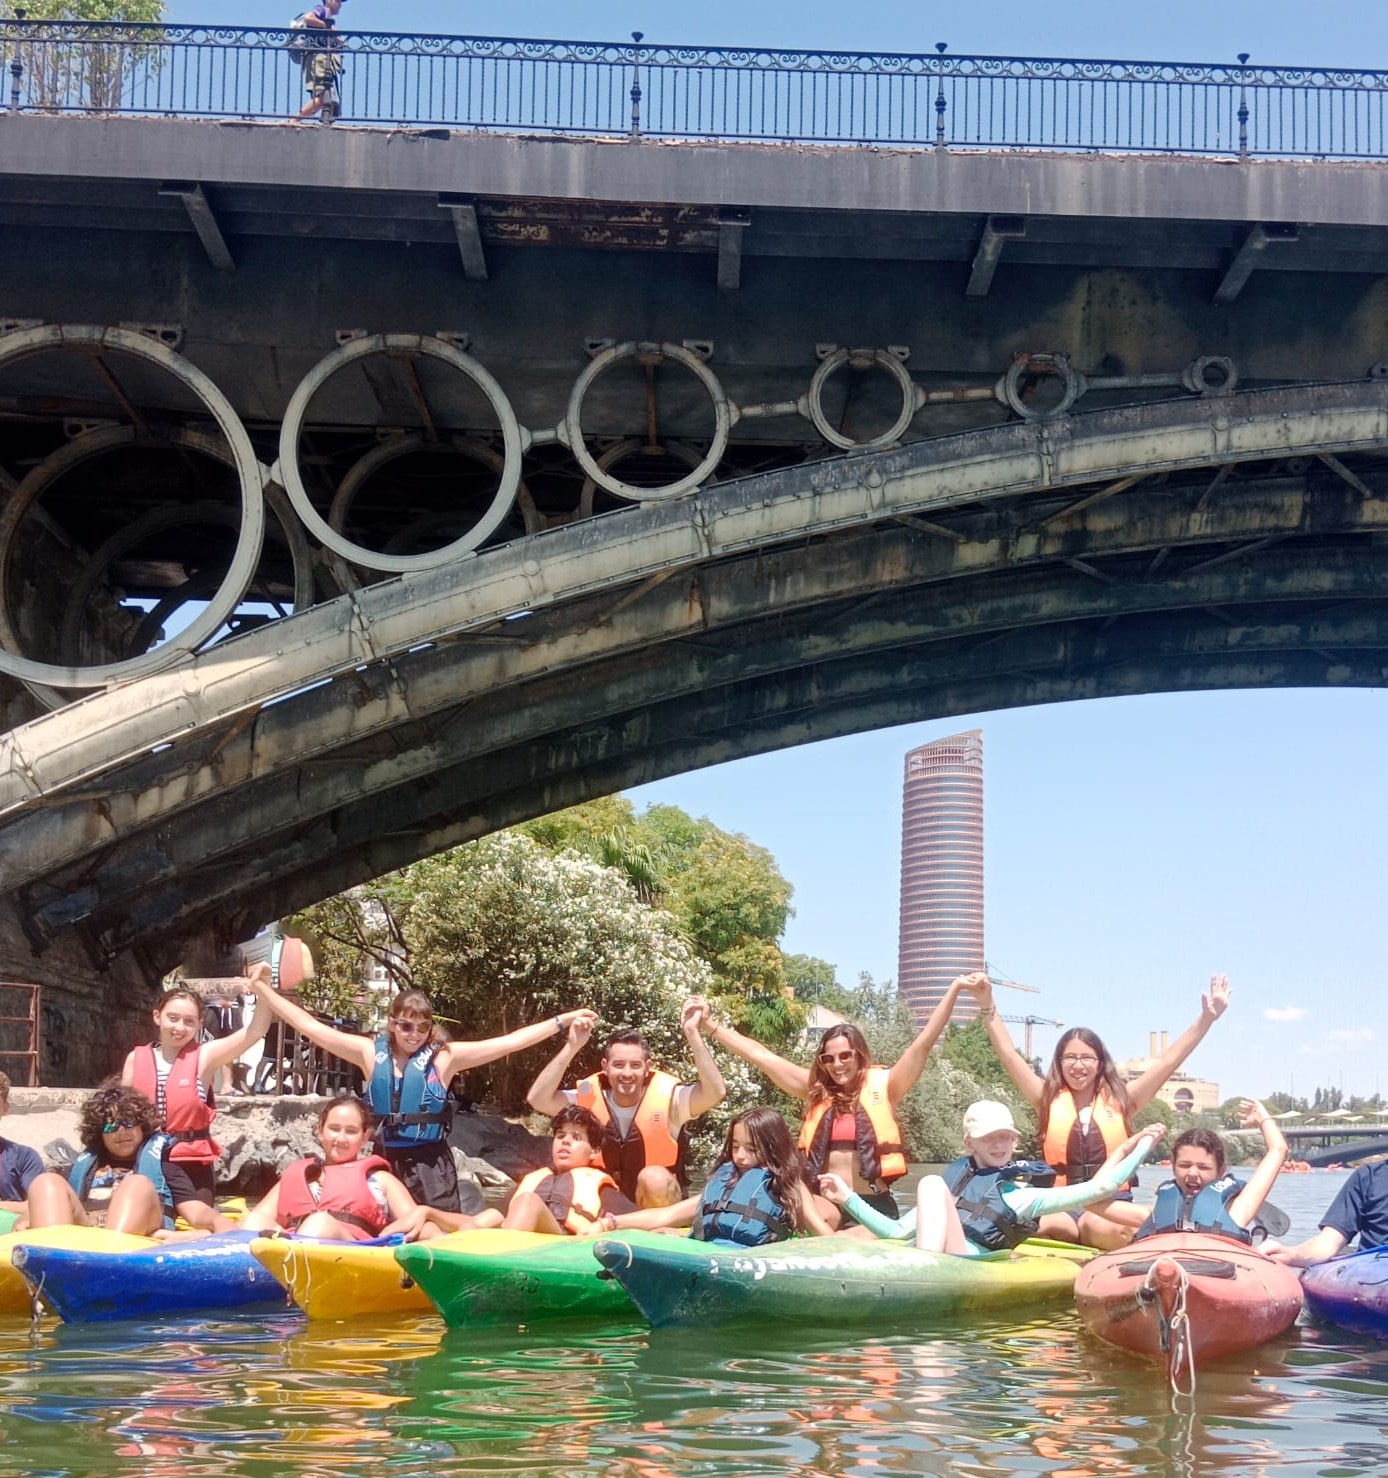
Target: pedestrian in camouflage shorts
x=321 y=59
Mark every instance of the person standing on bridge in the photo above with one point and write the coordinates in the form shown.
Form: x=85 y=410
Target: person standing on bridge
x=643 y=1111
x=1084 y=1109
x=408 y=1069
x=321 y=59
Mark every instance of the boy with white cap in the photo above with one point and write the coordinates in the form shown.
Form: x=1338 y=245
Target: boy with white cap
x=985 y=1201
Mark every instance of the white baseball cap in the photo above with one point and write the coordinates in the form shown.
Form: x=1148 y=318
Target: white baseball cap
x=987 y=1117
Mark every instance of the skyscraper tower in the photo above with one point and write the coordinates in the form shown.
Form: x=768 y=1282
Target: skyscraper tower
x=941 y=932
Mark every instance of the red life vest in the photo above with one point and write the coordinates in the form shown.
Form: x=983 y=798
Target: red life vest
x=342 y=1191
x=187 y=1118
x=648 y=1142
x=877 y=1135
x=574 y=1198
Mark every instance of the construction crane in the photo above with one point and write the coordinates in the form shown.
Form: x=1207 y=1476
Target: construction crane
x=1029 y=1022
x=998 y=978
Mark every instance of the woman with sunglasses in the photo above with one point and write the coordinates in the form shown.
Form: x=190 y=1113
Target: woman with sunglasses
x=1084 y=1109
x=118 y=1181
x=408 y=1068
x=850 y=1126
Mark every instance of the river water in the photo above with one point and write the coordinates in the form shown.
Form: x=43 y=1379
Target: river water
x=406 y=1396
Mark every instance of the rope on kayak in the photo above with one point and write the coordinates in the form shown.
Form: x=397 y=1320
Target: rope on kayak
x=1165 y=1287
x=36 y=1304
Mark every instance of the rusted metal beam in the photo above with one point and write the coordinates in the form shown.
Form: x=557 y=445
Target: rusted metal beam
x=1261 y=236
x=204 y=220
x=997 y=232
x=732 y=222
x=462 y=210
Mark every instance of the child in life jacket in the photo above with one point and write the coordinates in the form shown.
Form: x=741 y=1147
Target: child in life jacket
x=1202 y=1197
x=342 y=1197
x=755 y=1195
x=177 y=1072
x=574 y=1196
x=118 y=1180
x=985 y=1201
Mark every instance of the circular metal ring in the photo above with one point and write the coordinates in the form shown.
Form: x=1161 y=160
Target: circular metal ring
x=249 y=473
x=862 y=359
x=432 y=348
x=722 y=421
x=1196 y=376
x=389 y=451
x=679 y=450
x=1072 y=383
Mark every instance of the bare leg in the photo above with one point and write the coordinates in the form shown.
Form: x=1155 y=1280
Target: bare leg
x=1059 y=1226
x=135 y=1207
x=325 y=1225
x=938 y=1228
x=1105 y=1233
x=52 y=1202
x=491 y=1217
x=528 y=1213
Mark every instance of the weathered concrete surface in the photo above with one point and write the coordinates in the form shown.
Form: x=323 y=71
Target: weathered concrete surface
x=830 y=177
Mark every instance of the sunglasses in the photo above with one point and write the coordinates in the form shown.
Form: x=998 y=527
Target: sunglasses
x=119 y=1124
x=415 y=1028
x=838 y=1056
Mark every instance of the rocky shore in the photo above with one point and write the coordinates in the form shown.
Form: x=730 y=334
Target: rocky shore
x=260 y=1134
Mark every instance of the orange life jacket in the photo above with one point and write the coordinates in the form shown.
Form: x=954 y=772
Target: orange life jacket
x=1068 y=1149
x=877 y=1135
x=574 y=1198
x=187 y=1118
x=342 y=1191
x=648 y=1142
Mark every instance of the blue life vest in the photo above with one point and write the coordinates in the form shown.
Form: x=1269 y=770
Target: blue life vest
x=987 y=1219
x=149 y=1162
x=737 y=1206
x=1206 y=1211
x=411 y=1109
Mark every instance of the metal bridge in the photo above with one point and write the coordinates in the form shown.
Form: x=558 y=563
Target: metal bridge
x=472 y=473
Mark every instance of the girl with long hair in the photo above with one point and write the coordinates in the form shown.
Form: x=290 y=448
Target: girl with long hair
x=850 y=1125
x=1084 y=1109
x=755 y=1195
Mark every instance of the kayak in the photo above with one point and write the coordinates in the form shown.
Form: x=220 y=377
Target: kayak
x=1187 y=1297
x=94 y=1284
x=501 y=1277
x=1351 y=1291
x=15 y=1297
x=831 y=1280
x=339 y=1280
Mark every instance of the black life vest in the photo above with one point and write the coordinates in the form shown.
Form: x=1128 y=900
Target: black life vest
x=1206 y=1211
x=987 y=1219
x=739 y=1207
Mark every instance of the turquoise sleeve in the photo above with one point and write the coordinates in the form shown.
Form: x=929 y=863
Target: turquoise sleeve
x=1029 y=1202
x=876 y=1223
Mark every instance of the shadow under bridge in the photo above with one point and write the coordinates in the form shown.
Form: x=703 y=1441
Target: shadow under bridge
x=1231 y=542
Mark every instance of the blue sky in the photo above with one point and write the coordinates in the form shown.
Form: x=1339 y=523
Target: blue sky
x=1133 y=845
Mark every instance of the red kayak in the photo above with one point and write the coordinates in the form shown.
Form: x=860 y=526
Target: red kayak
x=1187 y=1297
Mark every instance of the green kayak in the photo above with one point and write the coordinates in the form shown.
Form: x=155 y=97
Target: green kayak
x=831 y=1280
x=484 y=1278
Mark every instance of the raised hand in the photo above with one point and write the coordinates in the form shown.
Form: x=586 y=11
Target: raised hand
x=1216 y=1003
x=834 y=1188
x=580 y=1024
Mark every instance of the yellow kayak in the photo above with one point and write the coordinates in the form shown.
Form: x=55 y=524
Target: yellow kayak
x=14 y=1291
x=340 y=1280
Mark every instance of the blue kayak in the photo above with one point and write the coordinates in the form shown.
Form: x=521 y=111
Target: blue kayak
x=1351 y=1291
x=210 y=1275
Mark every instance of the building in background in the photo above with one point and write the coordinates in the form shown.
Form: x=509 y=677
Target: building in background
x=1186 y=1095
x=941 y=930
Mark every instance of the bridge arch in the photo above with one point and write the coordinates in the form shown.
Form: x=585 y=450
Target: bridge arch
x=1086 y=556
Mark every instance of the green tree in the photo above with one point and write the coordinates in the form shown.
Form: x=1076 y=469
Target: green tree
x=60 y=71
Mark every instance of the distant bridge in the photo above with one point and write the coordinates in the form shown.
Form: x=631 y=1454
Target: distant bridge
x=1325 y=1144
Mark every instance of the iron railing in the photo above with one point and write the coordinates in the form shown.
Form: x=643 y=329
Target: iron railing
x=636 y=90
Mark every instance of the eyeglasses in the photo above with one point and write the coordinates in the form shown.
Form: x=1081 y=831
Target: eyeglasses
x=838 y=1056
x=411 y=1028
x=1076 y=1059
x=119 y=1124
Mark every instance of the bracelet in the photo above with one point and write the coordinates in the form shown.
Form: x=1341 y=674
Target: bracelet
x=559 y=1027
